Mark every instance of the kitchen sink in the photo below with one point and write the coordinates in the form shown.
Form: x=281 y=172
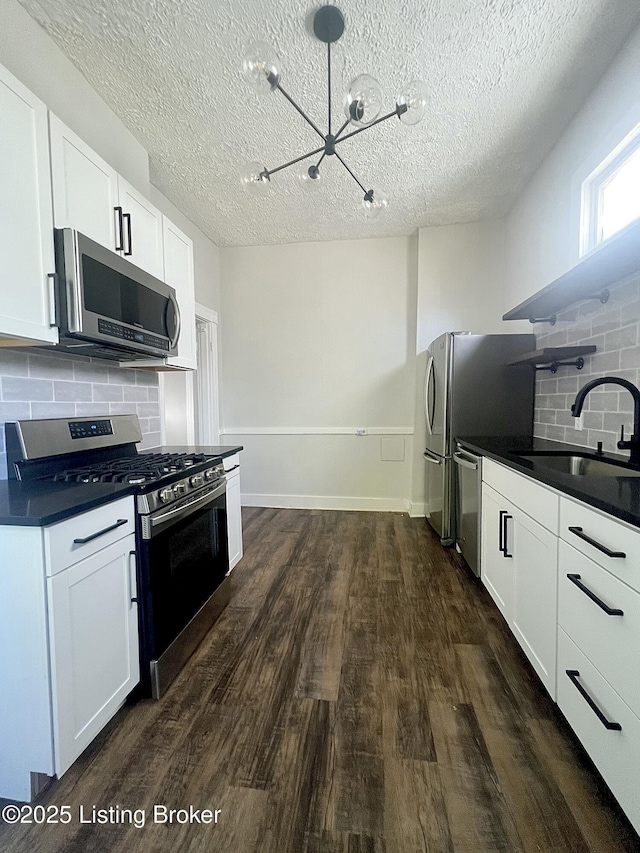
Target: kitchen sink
x=579 y=465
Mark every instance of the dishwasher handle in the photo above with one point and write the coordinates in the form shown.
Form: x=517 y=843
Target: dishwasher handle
x=465 y=460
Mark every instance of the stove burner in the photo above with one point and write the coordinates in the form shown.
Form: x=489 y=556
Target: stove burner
x=143 y=468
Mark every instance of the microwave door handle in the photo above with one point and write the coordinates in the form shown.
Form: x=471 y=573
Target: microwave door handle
x=173 y=340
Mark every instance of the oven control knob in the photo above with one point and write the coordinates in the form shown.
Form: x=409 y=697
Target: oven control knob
x=210 y=474
x=180 y=489
x=165 y=495
x=196 y=480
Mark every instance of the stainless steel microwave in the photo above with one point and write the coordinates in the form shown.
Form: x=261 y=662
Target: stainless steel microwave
x=107 y=307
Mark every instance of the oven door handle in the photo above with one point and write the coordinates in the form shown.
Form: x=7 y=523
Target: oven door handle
x=186 y=509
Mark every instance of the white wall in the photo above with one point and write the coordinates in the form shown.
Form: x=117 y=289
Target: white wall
x=319 y=338
x=543 y=228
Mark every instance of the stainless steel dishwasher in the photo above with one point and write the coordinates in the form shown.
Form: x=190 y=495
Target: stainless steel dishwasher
x=468 y=492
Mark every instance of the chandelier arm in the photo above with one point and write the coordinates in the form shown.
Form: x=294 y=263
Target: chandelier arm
x=302 y=112
x=341 y=129
x=293 y=162
x=396 y=112
x=329 y=83
x=324 y=154
x=363 y=188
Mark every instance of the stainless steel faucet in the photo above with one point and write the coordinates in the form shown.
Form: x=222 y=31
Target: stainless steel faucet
x=632 y=444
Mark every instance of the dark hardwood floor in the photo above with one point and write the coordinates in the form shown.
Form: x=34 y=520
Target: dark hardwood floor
x=360 y=693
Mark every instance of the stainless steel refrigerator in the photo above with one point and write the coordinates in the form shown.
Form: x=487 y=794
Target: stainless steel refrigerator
x=470 y=390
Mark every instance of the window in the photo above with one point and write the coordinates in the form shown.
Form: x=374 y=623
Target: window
x=611 y=194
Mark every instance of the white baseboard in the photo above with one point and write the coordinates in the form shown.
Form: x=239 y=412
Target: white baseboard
x=327 y=502
x=417 y=510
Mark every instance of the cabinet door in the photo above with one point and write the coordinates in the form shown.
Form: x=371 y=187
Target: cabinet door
x=93 y=632
x=534 y=607
x=142 y=230
x=234 y=519
x=497 y=569
x=85 y=188
x=26 y=223
x=178 y=273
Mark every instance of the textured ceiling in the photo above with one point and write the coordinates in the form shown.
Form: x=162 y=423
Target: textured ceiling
x=505 y=77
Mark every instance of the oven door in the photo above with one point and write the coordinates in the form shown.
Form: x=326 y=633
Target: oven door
x=184 y=559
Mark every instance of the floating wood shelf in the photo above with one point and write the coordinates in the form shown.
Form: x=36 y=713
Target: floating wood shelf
x=589 y=279
x=551 y=358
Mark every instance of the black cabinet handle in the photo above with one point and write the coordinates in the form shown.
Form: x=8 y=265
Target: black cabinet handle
x=127 y=216
x=505 y=518
x=610 y=611
x=119 y=247
x=574 y=675
x=577 y=531
x=503 y=512
x=93 y=536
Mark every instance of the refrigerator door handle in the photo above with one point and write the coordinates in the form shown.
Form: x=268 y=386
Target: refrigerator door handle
x=434 y=458
x=462 y=459
x=427 y=389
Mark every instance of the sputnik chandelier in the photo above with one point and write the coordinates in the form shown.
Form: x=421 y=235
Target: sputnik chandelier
x=362 y=104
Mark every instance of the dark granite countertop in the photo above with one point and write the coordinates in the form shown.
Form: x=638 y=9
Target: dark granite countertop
x=618 y=496
x=37 y=503
x=210 y=449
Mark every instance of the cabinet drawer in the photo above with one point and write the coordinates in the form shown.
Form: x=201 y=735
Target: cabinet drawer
x=98 y=528
x=616 y=754
x=231 y=463
x=604 y=532
x=611 y=642
x=537 y=501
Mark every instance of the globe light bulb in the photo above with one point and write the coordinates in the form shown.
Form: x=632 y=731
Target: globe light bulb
x=415 y=96
x=310 y=177
x=255 y=179
x=261 y=67
x=375 y=203
x=363 y=100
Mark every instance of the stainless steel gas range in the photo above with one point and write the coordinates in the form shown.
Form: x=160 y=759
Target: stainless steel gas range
x=181 y=527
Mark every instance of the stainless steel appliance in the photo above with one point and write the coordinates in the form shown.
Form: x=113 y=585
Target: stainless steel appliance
x=107 y=307
x=181 y=525
x=468 y=478
x=470 y=390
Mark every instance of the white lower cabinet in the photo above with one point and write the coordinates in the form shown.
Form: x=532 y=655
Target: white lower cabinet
x=68 y=639
x=593 y=559
x=234 y=509
x=93 y=631
x=606 y=726
x=519 y=569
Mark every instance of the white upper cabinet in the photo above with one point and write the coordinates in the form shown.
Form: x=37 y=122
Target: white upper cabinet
x=26 y=223
x=91 y=197
x=178 y=273
x=142 y=230
x=85 y=188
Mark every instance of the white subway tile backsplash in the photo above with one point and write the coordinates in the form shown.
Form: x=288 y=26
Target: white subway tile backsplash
x=135 y=393
x=25 y=390
x=107 y=393
x=13 y=363
x=53 y=410
x=77 y=392
x=614 y=329
x=44 y=366
x=14 y=412
x=38 y=384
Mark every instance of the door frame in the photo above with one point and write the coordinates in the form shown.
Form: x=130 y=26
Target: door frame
x=205 y=379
